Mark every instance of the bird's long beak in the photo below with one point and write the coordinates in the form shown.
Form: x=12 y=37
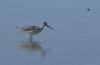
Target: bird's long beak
x=49 y=27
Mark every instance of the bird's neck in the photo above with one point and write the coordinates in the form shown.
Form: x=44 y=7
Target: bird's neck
x=42 y=27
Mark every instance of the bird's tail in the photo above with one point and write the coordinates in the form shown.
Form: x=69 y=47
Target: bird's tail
x=20 y=29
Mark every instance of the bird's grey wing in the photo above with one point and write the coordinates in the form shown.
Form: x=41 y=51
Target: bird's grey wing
x=28 y=28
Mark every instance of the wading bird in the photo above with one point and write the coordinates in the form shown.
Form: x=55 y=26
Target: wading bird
x=33 y=30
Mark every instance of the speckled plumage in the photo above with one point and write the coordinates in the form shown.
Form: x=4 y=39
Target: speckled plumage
x=33 y=30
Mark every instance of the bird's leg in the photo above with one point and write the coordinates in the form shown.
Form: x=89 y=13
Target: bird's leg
x=30 y=37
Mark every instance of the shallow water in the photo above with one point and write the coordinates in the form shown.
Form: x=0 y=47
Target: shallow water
x=75 y=40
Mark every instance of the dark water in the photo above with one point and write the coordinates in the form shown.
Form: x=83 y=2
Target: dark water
x=75 y=40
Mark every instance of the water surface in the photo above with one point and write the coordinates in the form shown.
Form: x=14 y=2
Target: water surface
x=75 y=40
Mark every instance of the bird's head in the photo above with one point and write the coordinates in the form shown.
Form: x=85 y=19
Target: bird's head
x=45 y=24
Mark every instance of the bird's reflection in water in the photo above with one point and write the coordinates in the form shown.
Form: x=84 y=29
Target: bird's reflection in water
x=34 y=47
